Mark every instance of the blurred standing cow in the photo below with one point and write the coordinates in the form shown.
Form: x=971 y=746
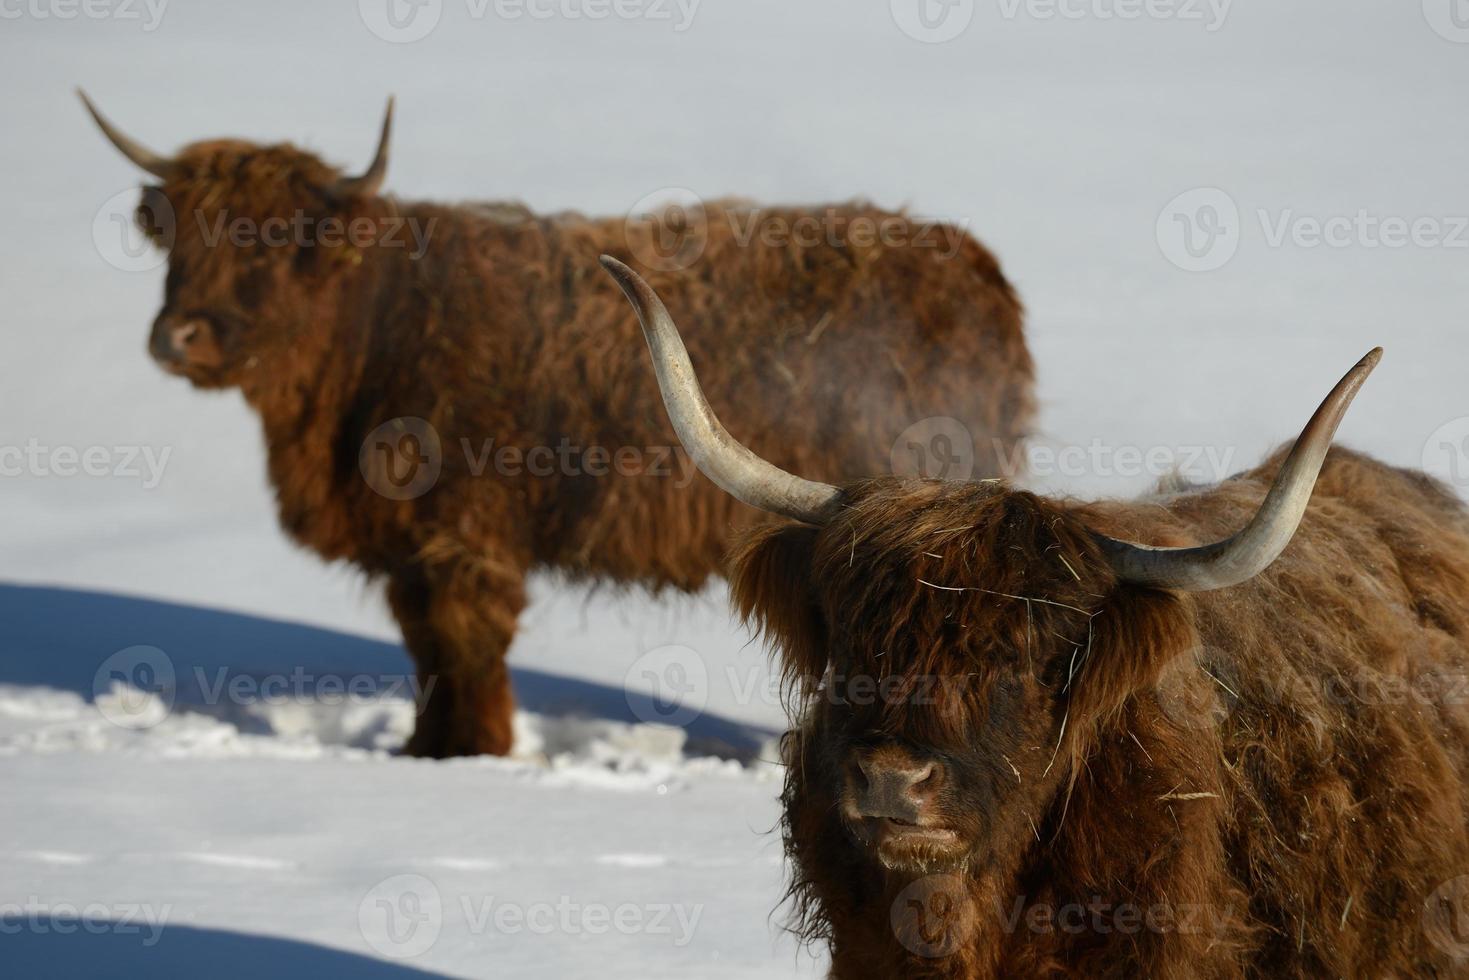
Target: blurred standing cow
x=1027 y=747
x=452 y=396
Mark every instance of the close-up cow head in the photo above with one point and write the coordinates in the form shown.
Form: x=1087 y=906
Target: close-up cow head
x=258 y=237
x=932 y=634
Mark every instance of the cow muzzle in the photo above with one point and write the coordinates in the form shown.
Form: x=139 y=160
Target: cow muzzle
x=181 y=344
x=892 y=806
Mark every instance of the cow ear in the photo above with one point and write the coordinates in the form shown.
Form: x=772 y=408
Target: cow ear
x=770 y=581
x=1141 y=642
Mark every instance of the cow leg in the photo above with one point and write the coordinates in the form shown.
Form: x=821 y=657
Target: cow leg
x=458 y=624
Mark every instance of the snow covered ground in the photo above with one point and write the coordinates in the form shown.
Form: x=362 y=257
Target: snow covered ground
x=1159 y=187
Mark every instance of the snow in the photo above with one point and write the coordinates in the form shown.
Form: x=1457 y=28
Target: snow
x=277 y=835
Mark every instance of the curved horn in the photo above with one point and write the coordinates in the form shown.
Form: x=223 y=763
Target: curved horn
x=371 y=179
x=714 y=451
x=1246 y=554
x=159 y=166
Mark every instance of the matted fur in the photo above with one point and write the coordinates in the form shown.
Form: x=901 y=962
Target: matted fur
x=506 y=333
x=1283 y=764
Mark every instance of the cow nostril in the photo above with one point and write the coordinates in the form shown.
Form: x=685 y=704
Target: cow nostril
x=184 y=334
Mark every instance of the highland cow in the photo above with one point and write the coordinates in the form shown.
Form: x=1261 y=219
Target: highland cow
x=1028 y=747
x=453 y=397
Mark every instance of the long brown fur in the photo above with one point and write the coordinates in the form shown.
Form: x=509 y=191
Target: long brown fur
x=1268 y=781
x=506 y=333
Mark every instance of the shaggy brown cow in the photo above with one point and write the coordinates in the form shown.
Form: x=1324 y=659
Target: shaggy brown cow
x=1026 y=748
x=475 y=365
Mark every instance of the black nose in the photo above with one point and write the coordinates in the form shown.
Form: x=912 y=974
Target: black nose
x=892 y=784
